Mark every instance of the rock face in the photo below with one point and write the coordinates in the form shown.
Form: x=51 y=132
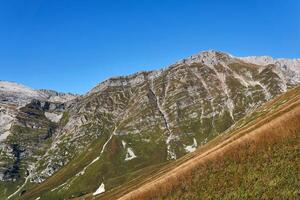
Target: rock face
x=149 y=117
x=24 y=126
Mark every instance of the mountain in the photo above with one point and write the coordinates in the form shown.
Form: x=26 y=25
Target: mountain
x=21 y=95
x=28 y=118
x=131 y=124
x=258 y=158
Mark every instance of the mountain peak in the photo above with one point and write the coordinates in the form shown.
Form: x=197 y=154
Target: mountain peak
x=208 y=57
x=18 y=93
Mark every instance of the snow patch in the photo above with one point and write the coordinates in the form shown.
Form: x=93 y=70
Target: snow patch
x=100 y=190
x=191 y=148
x=123 y=144
x=130 y=154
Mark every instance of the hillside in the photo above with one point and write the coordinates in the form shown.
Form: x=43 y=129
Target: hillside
x=128 y=126
x=257 y=159
x=28 y=119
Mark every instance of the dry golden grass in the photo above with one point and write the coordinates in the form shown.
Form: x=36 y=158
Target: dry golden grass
x=265 y=131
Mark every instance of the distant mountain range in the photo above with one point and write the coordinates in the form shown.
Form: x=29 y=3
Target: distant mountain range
x=59 y=146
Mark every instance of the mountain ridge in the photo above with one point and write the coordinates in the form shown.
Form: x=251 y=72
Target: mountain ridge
x=129 y=123
x=211 y=54
x=24 y=93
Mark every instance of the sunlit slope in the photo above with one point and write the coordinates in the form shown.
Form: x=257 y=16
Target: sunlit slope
x=258 y=158
x=129 y=127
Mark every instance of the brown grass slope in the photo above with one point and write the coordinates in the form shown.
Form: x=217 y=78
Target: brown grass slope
x=276 y=125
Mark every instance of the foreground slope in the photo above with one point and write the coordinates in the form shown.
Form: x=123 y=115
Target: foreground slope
x=257 y=159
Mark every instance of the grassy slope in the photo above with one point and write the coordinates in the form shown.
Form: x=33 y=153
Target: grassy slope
x=268 y=173
x=271 y=141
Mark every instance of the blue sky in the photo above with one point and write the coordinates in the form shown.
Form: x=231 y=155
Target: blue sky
x=71 y=46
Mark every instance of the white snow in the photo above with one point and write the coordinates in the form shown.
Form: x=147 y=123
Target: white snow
x=123 y=144
x=191 y=148
x=130 y=154
x=100 y=190
x=53 y=116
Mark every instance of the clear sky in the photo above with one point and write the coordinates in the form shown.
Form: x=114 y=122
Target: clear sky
x=71 y=46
